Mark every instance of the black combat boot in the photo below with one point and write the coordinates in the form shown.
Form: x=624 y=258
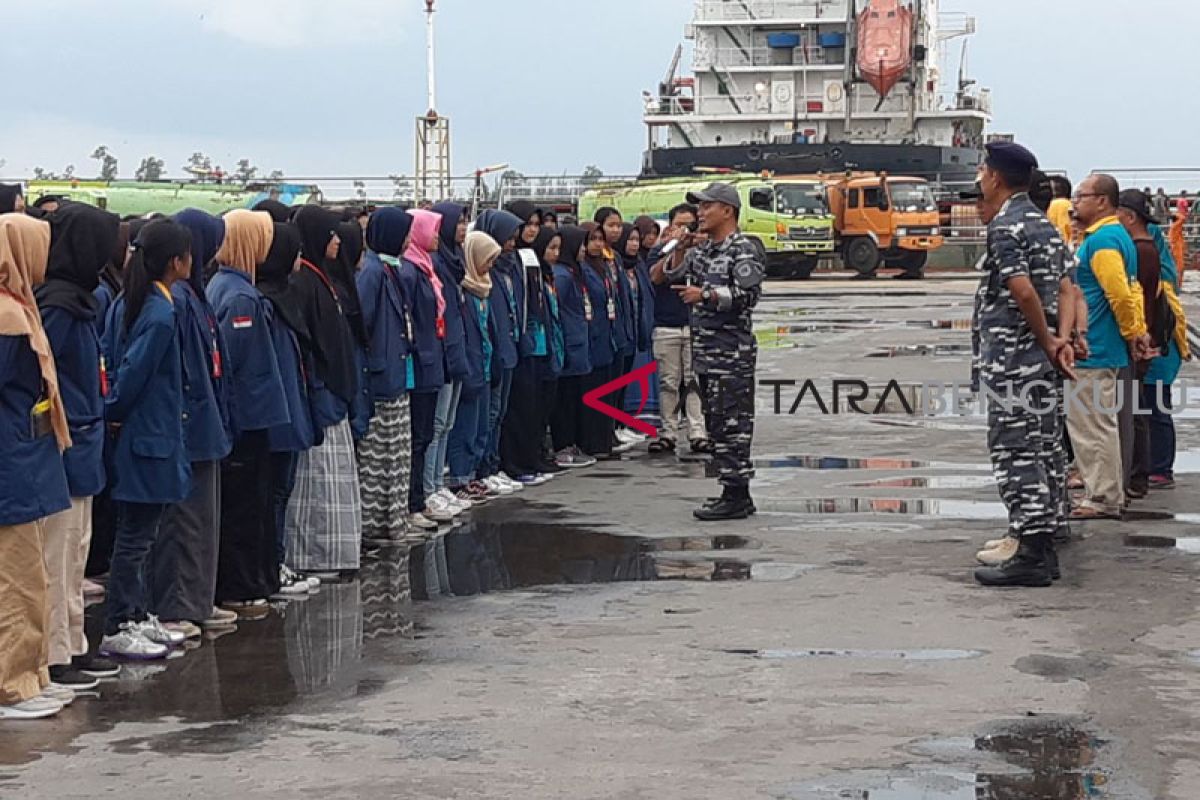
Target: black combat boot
x=1029 y=567
x=1052 y=561
x=734 y=493
x=734 y=503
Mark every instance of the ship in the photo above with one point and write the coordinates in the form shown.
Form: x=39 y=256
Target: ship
x=806 y=86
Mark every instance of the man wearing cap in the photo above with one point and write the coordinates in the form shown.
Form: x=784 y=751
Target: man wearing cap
x=719 y=272
x=1021 y=354
x=1107 y=272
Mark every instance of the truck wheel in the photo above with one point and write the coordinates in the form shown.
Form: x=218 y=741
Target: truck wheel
x=909 y=260
x=862 y=255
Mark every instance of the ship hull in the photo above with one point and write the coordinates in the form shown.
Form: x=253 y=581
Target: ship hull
x=947 y=165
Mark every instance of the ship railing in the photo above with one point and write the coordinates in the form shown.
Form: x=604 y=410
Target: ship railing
x=807 y=55
x=555 y=190
x=769 y=11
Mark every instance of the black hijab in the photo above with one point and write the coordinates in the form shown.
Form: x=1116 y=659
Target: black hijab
x=331 y=340
x=449 y=250
x=343 y=276
x=273 y=279
x=544 y=237
x=8 y=197
x=113 y=273
x=278 y=211
x=573 y=240
x=523 y=209
x=627 y=261
x=82 y=238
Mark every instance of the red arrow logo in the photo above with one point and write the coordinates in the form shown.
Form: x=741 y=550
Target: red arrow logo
x=641 y=376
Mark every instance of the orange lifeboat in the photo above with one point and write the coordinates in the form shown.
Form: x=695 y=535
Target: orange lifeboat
x=885 y=30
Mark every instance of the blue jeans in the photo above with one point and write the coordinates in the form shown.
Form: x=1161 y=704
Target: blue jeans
x=468 y=437
x=443 y=421
x=497 y=408
x=1162 y=429
x=137 y=530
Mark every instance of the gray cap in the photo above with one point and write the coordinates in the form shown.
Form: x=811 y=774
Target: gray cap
x=717 y=193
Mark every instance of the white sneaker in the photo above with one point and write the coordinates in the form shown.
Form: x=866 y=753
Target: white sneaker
x=38 y=707
x=437 y=510
x=493 y=483
x=156 y=632
x=290 y=586
x=63 y=695
x=421 y=522
x=188 y=629
x=310 y=582
x=454 y=501
x=448 y=504
x=129 y=642
x=516 y=486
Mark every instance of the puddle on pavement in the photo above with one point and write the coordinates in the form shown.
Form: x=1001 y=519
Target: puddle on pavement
x=947 y=509
x=810 y=462
x=931 y=482
x=940 y=324
x=1026 y=760
x=482 y=557
x=868 y=655
x=921 y=350
x=347 y=640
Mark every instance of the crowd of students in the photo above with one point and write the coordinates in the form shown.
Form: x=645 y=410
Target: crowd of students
x=219 y=411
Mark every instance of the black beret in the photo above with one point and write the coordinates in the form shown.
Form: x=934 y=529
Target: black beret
x=1010 y=157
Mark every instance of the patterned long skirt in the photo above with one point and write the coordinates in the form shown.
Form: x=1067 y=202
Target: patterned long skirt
x=384 y=470
x=324 y=516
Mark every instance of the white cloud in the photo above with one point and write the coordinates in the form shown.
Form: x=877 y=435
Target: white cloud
x=293 y=23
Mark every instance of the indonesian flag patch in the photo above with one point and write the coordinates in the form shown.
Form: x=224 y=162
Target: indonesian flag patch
x=242 y=322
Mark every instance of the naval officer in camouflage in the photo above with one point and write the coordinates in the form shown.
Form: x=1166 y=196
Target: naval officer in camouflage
x=1025 y=304
x=718 y=271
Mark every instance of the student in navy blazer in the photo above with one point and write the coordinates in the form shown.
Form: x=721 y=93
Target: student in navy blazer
x=384 y=461
x=82 y=240
x=33 y=482
x=423 y=290
x=248 y=568
x=150 y=467
x=575 y=310
x=596 y=434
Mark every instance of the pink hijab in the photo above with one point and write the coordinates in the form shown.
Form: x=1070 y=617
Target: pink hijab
x=424 y=235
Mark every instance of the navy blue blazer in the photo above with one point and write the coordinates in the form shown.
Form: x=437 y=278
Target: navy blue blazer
x=77 y=358
x=33 y=481
x=506 y=313
x=150 y=462
x=577 y=360
x=385 y=319
x=478 y=371
x=645 y=307
x=105 y=297
x=601 y=338
x=429 y=366
x=256 y=386
x=625 y=330
x=454 y=345
x=205 y=389
x=300 y=431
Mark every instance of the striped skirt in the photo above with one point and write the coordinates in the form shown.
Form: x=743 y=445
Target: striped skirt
x=384 y=467
x=324 y=516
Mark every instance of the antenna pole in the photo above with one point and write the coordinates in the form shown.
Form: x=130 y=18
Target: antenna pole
x=429 y=11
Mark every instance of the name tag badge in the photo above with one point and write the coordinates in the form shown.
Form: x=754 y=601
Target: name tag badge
x=216 y=359
x=441 y=327
x=408 y=328
x=529 y=259
x=103 y=377
x=241 y=323
x=612 y=309
x=39 y=420
x=587 y=308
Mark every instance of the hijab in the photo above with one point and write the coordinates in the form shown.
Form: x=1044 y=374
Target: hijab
x=208 y=232
x=523 y=210
x=113 y=273
x=478 y=248
x=645 y=226
x=500 y=225
x=24 y=252
x=82 y=238
x=278 y=211
x=330 y=337
x=424 y=233
x=248 y=237
x=573 y=240
x=272 y=278
x=544 y=237
x=450 y=251
x=387 y=230
x=627 y=261
x=8 y=197
x=342 y=272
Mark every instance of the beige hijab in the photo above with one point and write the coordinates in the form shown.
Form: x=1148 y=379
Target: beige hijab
x=24 y=249
x=479 y=248
x=248 y=236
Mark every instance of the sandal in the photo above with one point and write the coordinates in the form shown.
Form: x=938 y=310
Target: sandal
x=1081 y=513
x=662 y=446
x=701 y=446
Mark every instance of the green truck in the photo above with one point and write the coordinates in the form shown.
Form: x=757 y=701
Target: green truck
x=787 y=217
x=133 y=198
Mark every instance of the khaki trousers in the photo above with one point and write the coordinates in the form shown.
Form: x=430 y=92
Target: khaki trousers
x=23 y=616
x=68 y=536
x=673 y=352
x=1095 y=436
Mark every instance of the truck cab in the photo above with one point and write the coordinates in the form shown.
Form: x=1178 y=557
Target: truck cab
x=883 y=219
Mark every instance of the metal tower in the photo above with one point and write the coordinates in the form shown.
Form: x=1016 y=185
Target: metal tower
x=433 y=133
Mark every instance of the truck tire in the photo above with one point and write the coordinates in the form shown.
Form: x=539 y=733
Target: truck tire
x=862 y=255
x=909 y=260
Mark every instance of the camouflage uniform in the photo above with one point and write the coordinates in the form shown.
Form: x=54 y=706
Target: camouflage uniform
x=1028 y=459
x=724 y=348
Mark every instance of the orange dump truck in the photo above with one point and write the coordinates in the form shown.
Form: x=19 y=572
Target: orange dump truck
x=881 y=220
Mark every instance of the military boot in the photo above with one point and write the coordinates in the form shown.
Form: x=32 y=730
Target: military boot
x=735 y=503
x=1029 y=567
x=1052 y=561
x=725 y=495
x=1002 y=551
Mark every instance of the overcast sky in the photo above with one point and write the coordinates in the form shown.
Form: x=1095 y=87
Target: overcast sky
x=318 y=87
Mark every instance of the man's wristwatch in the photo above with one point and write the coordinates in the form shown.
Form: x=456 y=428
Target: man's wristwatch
x=706 y=295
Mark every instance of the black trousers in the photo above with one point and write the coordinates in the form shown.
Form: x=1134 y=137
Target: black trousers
x=567 y=416
x=522 y=431
x=423 y=410
x=247 y=566
x=596 y=429
x=548 y=400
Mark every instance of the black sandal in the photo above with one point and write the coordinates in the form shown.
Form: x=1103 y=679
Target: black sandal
x=701 y=446
x=662 y=446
